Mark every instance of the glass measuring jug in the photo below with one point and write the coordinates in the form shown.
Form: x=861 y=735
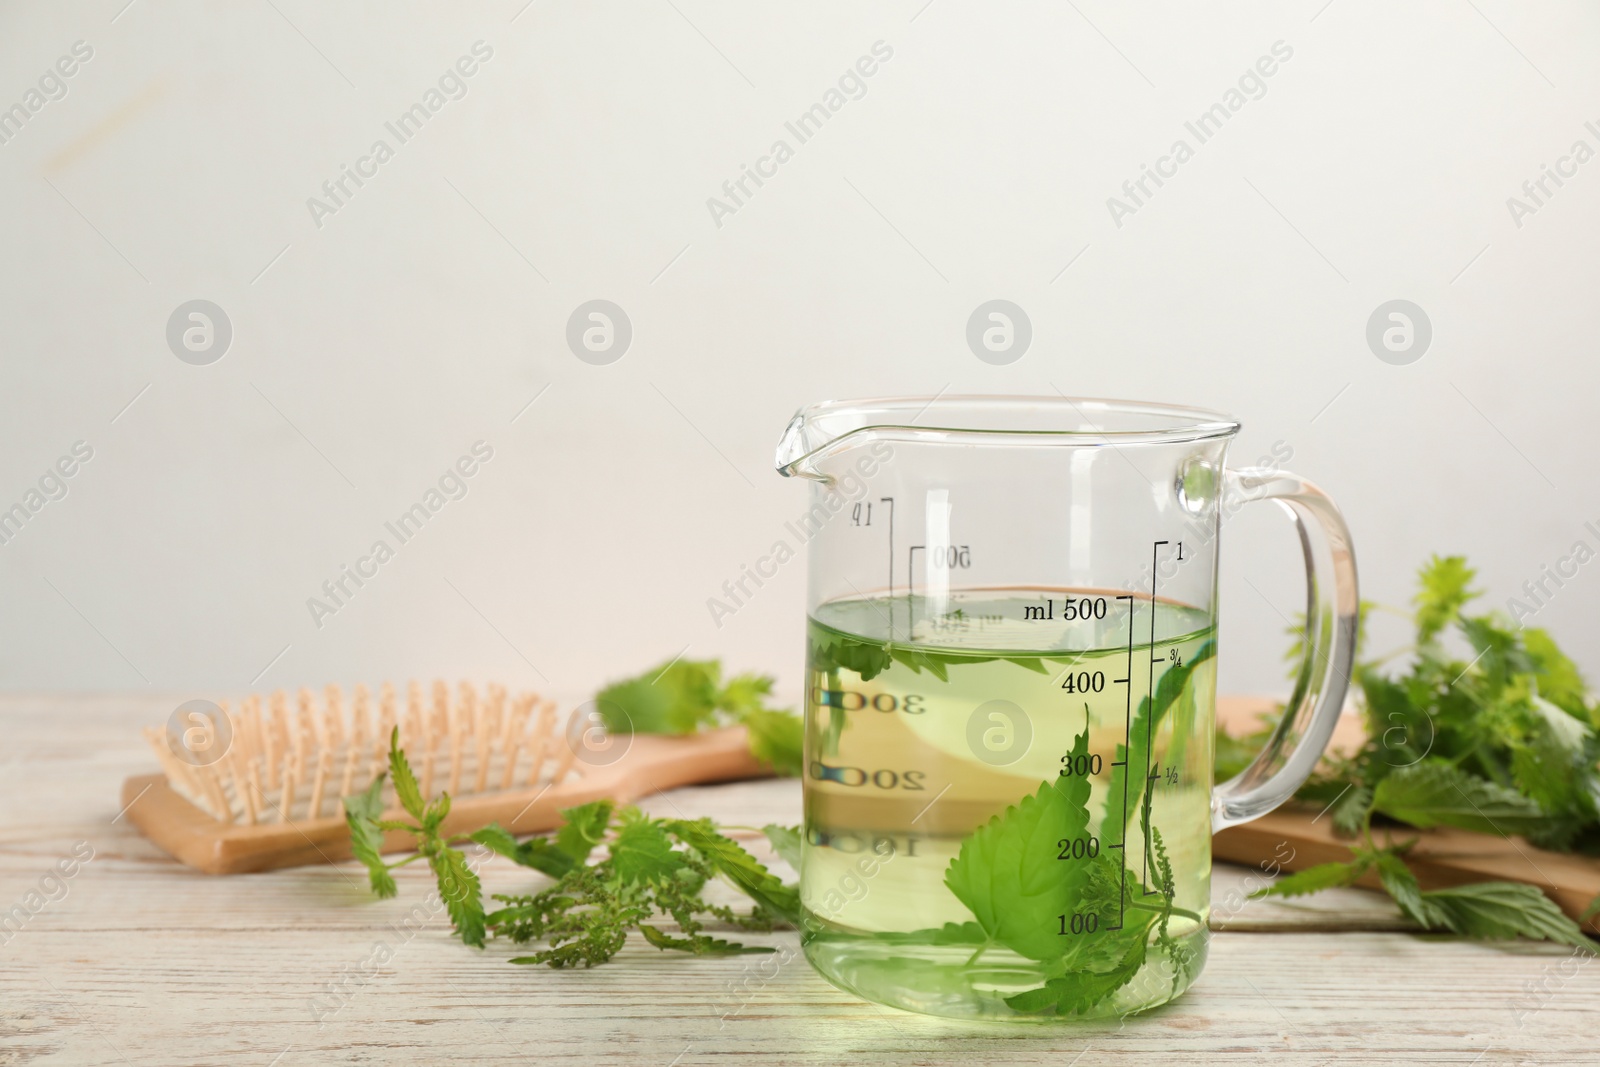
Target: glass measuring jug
x=1010 y=688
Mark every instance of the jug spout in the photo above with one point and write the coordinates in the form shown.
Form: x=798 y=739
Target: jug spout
x=794 y=447
x=821 y=432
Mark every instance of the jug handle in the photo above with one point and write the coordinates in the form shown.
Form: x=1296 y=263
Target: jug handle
x=1332 y=615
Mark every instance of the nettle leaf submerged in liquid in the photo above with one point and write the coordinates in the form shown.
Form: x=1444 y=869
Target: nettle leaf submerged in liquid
x=1063 y=910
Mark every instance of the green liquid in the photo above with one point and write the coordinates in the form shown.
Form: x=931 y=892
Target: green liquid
x=907 y=756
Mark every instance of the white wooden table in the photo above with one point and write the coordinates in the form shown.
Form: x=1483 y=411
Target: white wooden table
x=143 y=962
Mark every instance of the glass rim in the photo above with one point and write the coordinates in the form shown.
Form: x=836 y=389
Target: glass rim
x=1012 y=418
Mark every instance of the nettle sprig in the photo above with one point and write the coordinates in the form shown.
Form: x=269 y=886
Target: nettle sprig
x=685 y=696
x=648 y=868
x=1496 y=734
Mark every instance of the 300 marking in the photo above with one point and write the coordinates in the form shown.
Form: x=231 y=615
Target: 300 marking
x=1088 y=763
x=851 y=700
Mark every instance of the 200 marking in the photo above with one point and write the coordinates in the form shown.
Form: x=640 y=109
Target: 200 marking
x=883 y=778
x=1078 y=848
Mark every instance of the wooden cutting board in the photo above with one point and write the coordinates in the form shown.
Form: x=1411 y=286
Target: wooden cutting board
x=1441 y=857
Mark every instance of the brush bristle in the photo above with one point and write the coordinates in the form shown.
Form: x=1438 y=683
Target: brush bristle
x=292 y=761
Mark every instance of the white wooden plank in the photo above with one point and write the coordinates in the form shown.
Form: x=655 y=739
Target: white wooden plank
x=144 y=962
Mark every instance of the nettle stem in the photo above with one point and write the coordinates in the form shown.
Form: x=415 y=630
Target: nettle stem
x=1184 y=912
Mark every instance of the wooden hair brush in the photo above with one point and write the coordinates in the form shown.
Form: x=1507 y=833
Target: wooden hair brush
x=259 y=787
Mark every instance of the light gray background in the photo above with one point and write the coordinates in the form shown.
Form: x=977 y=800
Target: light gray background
x=369 y=353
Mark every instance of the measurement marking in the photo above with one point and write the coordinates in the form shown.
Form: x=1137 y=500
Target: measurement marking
x=1150 y=695
x=890 y=501
x=1127 y=746
x=911 y=582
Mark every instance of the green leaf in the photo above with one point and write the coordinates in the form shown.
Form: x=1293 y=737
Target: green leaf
x=1592 y=910
x=461 y=892
x=699 y=944
x=1445 y=583
x=1008 y=874
x=1350 y=811
x=1559 y=679
x=919 y=661
x=435 y=814
x=1552 y=763
x=777 y=739
x=405 y=782
x=1401 y=885
x=679 y=697
x=1504 y=910
x=1314 y=880
x=642 y=852
x=830 y=651
x=785 y=842
x=1435 y=793
x=730 y=860
x=1499 y=651
x=1075 y=993
x=536 y=852
x=1400 y=730
x=361 y=811
x=585 y=826
x=745 y=693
